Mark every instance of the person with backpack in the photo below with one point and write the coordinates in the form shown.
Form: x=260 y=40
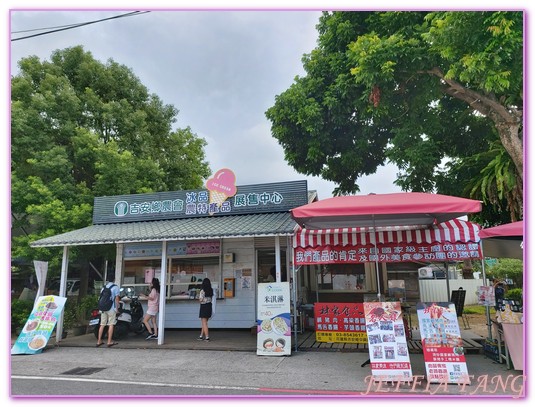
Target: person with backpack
x=108 y=304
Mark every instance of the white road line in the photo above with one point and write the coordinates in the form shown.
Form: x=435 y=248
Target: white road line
x=178 y=385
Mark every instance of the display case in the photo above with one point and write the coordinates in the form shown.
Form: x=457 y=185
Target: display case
x=183 y=280
x=186 y=285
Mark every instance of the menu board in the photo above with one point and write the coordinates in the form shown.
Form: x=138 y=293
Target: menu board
x=457 y=297
x=387 y=344
x=442 y=343
x=39 y=326
x=274 y=336
x=340 y=322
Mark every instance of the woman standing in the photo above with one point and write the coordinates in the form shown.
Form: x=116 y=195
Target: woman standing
x=205 y=313
x=153 y=306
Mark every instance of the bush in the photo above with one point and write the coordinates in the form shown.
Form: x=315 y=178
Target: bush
x=69 y=316
x=514 y=294
x=20 y=311
x=508 y=268
x=85 y=306
x=77 y=313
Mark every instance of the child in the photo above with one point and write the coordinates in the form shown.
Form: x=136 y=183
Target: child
x=153 y=304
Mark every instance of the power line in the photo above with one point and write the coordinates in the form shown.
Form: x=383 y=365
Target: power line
x=44 y=28
x=71 y=26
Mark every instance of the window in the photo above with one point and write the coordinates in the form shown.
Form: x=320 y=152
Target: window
x=185 y=275
x=342 y=277
x=267 y=267
x=139 y=273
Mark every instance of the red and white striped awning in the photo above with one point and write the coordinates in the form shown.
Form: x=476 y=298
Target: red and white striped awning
x=452 y=231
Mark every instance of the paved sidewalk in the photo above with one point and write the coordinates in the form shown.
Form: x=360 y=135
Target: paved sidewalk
x=235 y=363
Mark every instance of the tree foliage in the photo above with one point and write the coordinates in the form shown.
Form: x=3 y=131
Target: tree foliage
x=415 y=89
x=81 y=128
x=508 y=268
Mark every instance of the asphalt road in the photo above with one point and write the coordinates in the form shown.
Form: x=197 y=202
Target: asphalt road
x=77 y=371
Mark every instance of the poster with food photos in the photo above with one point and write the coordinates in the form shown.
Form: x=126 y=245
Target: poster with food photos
x=442 y=343
x=39 y=326
x=387 y=343
x=340 y=322
x=273 y=334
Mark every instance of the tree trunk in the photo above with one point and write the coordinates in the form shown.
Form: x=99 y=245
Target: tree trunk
x=512 y=142
x=506 y=119
x=84 y=278
x=468 y=270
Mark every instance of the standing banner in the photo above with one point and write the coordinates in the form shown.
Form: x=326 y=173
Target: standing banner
x=442 y=343
x=273 y=320
x=39 y=326
x=387 y=343
x=340 y=322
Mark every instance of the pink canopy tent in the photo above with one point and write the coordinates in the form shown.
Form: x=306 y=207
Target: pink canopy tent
x=410 y=209
x=374 y=210
x=454 y=240
x=504 y=240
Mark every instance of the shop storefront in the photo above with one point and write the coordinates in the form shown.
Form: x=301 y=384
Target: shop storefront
x=343 y=264
x=182 y=237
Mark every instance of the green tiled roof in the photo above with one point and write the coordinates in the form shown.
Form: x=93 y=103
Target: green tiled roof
x=257 y=225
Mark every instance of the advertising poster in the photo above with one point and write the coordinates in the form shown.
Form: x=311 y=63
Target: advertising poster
x=485 y=296
x=274 y=335
x=340 y=322
x=442 y=343
x=39 y=326
x=387 y=344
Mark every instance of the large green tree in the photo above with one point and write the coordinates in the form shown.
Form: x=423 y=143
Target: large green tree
x=425 y=91
x=81 y=128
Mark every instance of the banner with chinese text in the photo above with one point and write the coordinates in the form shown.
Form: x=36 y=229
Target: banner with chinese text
x=388 y=253
x=442 y=343
x=387 y=343
x=39 y=326
x=274 y=336
x=340 y=322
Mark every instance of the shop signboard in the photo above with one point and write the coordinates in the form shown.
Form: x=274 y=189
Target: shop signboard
x=273 y=320
x=246 y=199
x=387 y=343
x=39 y=326
x=442 y=343
x=340 y=322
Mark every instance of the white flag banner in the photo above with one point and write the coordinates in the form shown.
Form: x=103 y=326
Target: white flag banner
x=41 y=270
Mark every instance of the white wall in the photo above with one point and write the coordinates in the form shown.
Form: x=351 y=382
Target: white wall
x=237 y=312
x=436 y=290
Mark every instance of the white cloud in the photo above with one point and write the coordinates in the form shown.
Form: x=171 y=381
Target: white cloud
x=220 y=69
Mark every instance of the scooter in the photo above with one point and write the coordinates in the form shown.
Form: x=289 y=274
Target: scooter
x=128 y=320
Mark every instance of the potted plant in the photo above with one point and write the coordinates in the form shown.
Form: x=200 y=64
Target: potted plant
x=69 y=319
